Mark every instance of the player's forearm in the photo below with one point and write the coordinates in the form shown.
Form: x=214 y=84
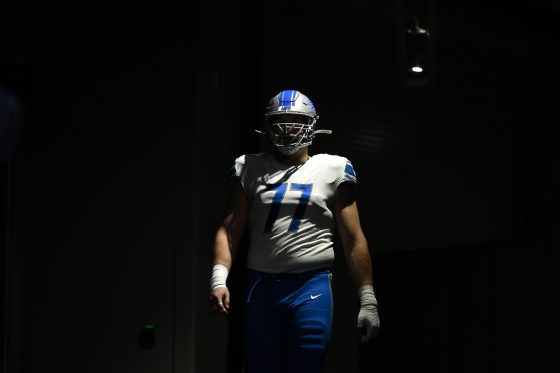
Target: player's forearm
x=359 y=263
x=224 y=250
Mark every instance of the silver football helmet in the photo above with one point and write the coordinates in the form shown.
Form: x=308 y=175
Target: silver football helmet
x=290 y=121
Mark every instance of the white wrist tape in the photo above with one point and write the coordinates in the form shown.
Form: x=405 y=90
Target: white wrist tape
x=219 y=276
x=367 y=296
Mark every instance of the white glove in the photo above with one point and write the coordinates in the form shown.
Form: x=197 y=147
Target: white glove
x=368 y=317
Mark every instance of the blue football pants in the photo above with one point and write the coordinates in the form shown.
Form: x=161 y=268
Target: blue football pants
x=288 y=321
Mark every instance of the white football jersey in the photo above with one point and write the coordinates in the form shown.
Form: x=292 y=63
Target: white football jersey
x=290 y=218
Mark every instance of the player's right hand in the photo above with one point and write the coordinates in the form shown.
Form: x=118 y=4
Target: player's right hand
x=219 y=300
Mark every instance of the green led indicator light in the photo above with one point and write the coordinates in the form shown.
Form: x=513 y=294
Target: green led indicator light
x=149 y=326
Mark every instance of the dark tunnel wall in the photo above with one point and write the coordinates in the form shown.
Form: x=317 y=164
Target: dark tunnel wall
x=134 y=118
x=103 y=189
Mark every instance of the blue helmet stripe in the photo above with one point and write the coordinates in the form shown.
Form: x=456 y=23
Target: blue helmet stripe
x=287 y=98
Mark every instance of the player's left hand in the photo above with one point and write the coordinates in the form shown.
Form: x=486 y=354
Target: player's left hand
x=368 y=320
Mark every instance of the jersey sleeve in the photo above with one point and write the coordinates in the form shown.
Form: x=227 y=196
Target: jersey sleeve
x=237 y=169
x=346 y=172
x=238 y=172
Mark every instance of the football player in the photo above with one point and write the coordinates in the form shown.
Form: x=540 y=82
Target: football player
x=290 y=203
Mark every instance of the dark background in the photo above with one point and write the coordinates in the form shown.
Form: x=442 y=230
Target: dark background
x=113 y=179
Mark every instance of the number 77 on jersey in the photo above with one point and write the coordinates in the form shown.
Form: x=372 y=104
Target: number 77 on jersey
x=280 y=189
